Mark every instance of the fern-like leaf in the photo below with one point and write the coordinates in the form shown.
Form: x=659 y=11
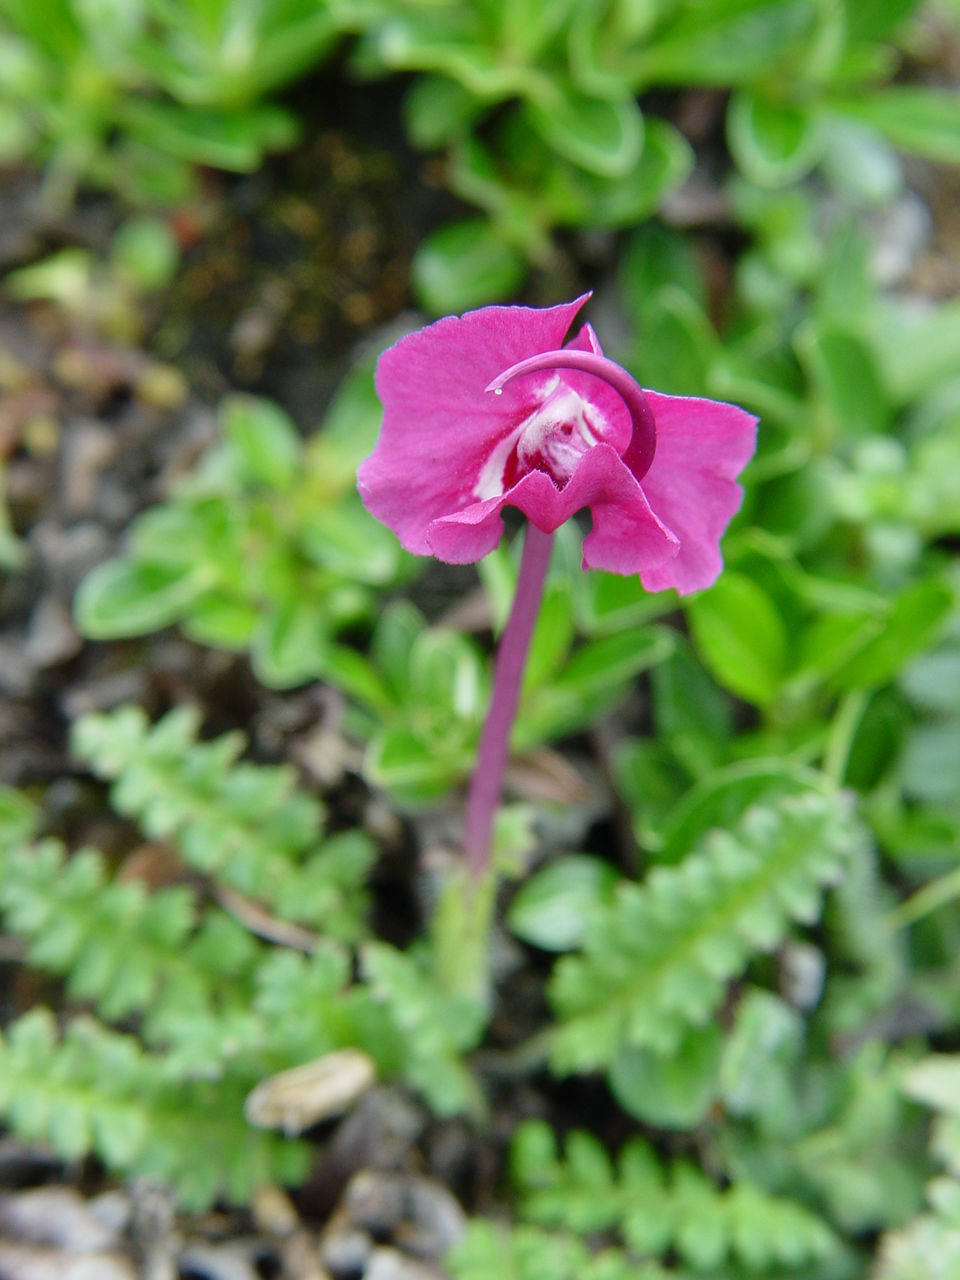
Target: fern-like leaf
x=659 y=959
x=492 y=1252
x=434 y=1028
x=246 y=825
x=929 y=1245
x=657 y=1209
x=96 y=1091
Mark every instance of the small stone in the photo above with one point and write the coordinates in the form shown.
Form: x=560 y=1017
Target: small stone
x=391 y=1264
x=437 y=1214
x=904 y=231
x=16 y=673
x=273 y=1212
x=68 y=554
x=57 y=1216
x=297 y=1099
x=379 y=1131
x=103 y=693
x=52 y=638
x=802 y=973
x=88 y=449
x=300 y=1260
x=231 y=1261
x=28 y=1262
x=41 y=434
x=345 y=1253
x=418 y=1213
x=376 y=1202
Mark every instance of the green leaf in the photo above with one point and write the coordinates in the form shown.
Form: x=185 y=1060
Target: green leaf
x=593 y=677
x=692 y=715
x=392 y=644
x=265 y=440
x=665 y=162
x=220 y=622
x=741 y=637
x=756 y=1075
x=552 y=910
x=774 y=143
x=933 y=681
x=720 y=798
x=350 y=671
x=552 y=638
x=290 y=644
x=602 y=136
x=658 y=961
x=724 y=43
x=411 y=770
x=436 y=1029
x=856 y=160
x=128 y=598
x=435 y=109
x=916 y=352
x=227 y=140
x=348 y=541
x=843 y=367
x=930 y=770
x=464 y=265
x=914 y=118
x=913 y=624
x=655 y=257
x=679 y=345
x=145 y=250
x=18 y=818
x=670 y=1092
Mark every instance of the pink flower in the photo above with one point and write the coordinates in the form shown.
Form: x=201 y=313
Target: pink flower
x=465 y=434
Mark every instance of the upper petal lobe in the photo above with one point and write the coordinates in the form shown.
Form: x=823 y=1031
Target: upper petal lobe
x=439 y=427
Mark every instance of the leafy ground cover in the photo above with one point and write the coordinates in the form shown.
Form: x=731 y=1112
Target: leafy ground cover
x=705 y=1023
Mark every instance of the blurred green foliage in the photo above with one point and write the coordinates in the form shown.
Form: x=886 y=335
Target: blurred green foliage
x=217 y=982
x=264 y=547
x=535 y=103
x=758 y=962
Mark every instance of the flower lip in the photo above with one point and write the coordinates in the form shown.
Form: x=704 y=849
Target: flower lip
x=640 y=451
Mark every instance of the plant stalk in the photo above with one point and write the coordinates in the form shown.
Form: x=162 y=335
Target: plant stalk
x=487 y=782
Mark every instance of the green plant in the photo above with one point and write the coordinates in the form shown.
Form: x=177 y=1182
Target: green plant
x=246 y=826
x=95 y=1090
x=932 y=1239
x=264 y=547
x=219 y=982
x=527 y=1253
x=133 y=93
x=838 y=575
x=536 y=105
x=569 y=146
x=657 y=1209
x=432 y=685
x=104 y=294
x=656 y=962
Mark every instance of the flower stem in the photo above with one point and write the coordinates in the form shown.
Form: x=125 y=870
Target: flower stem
x=487 y=782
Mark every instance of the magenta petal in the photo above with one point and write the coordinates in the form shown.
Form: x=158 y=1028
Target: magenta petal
x=439 y=426
x=626 y=536
x=702 y=446
x=467 y=535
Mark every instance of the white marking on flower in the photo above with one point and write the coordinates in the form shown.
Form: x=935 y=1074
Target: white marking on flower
x=552 y=439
